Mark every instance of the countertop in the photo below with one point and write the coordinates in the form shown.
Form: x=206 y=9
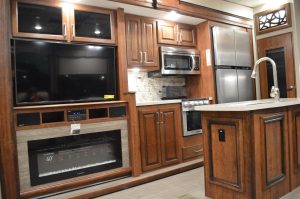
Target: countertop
x=159 y=102
x=250 y=105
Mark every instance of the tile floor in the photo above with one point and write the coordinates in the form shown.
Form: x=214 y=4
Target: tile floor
x=188 y=185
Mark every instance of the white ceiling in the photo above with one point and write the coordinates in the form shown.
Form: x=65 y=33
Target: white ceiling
x=250 y=3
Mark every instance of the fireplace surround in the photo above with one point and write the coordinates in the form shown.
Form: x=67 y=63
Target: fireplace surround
x=111 y=136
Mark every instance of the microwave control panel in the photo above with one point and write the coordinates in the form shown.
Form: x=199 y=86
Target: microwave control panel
x=197 y=63
x=76 y=115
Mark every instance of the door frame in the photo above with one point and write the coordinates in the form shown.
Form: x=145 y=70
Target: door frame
x=278 y=41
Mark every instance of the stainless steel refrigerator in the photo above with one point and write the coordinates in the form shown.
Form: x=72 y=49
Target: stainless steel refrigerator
x=232 y=65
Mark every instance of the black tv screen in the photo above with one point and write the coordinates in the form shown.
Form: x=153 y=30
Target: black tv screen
x=54 y=72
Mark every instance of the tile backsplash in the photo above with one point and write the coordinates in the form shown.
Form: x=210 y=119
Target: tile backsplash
x=148 y=88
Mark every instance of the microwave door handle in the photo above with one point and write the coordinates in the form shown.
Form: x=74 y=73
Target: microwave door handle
x=193 y=62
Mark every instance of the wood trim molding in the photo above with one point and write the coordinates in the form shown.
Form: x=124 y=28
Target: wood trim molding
x=204 y=13
x=287 y=25
x=122 y=53
x=8 y=158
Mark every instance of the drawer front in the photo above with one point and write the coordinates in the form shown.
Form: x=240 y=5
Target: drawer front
x=192 y=151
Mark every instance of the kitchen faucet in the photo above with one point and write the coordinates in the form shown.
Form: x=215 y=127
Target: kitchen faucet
x=275 y=90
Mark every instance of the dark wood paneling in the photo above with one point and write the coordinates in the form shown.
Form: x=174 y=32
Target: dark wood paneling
x=169 y=134
x=271 y=153
x=273 y=150
x=150 y=138
x=294 y=145
x=226 y=158
x=8 y=162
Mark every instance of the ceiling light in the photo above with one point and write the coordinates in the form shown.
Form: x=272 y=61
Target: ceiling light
x=173 y=15
x=71 y=1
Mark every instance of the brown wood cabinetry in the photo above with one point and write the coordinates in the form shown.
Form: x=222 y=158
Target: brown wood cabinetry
x=142 y=50
x=247 y=154
x=176 y=34
x=160 y=132
x=56 y=21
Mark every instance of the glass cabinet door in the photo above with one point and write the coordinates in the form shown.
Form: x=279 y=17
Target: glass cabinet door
x=92 y=25
x=42 y=20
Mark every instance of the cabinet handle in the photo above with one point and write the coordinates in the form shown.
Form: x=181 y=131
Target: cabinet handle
x=145 y=54
x=65 y=30
x=157 y=118
x=197 y=151
x=161 y=117
x=73 y=30
x=290 y=88
x=180 y=38
x=141 y=58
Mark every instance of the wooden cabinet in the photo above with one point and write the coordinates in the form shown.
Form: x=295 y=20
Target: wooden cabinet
x=142 y=50
x=247 y=154
x=56 y=21
x=176 y=34
x=160 y=132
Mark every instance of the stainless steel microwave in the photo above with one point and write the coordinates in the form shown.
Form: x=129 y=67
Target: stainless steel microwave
x=179 y=61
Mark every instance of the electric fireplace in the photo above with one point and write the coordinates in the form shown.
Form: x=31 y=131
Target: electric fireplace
x=66 y=157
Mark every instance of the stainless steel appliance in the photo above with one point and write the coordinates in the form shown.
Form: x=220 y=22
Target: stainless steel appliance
x=232 y=65
x=191 y=118
x=179 y=61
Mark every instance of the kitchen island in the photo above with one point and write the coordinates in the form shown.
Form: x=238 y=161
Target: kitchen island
x=251 y=149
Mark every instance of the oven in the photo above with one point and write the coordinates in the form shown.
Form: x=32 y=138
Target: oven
x=191 y=118
x=179 y=61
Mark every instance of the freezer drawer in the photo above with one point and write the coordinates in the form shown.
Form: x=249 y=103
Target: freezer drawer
x=242 y=46
x=224 y=46
x=245 y=85
x=227 y=85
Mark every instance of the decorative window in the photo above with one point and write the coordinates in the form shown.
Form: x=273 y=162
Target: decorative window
x=272 y=20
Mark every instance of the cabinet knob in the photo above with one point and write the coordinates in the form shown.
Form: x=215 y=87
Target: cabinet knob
x=65 y=30
x=73 y=30
x=161 y=117
x=157 y=118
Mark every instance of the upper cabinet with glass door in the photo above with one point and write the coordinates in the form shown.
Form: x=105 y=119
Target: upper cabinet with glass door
x=91 y=24
x=39 y=19
x=56 y=21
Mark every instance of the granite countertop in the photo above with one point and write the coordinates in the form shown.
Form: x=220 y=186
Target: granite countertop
x=159 y=102
x=250 y=105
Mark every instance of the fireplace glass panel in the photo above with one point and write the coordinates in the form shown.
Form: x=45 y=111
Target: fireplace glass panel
x=71 y=156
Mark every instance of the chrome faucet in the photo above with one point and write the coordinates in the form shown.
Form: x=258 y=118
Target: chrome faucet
x=275 y=90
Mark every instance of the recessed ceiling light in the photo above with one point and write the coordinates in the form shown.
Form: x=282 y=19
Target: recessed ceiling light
x=38 y=27
x=173 y=15
x=97 y=32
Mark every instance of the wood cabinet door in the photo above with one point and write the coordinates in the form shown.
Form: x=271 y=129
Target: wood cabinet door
x=167 y=33
x=150 y=138
x=170 y=132
x=39 y=19
x=186 y=35
x=133 y=35
x=92 y=24
x=280 y=49
x=149 y=44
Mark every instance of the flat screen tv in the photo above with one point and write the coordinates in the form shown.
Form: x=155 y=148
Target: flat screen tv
x=53 y=72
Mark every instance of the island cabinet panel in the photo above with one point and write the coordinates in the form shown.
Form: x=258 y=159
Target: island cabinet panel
x=271 y=153
x=160 y=133
x=294 y=138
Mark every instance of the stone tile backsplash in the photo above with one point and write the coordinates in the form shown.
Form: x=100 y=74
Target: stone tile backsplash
x=148 y=88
